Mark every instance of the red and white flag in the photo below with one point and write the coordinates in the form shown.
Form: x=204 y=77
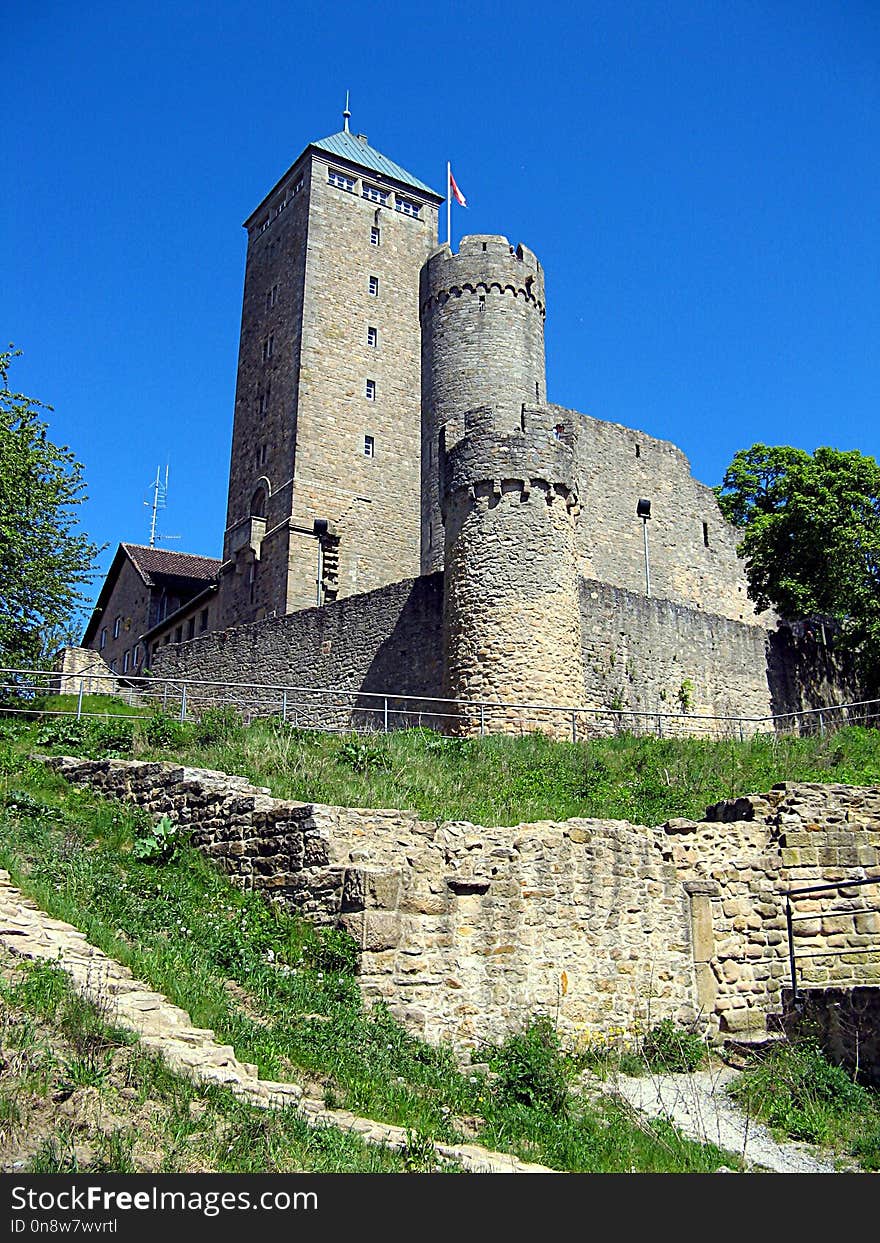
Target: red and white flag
x=456 y=193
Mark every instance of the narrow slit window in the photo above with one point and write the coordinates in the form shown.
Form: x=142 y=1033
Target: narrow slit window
x=373 y=337
x=374 y=286
x=369 y=446
x=706 y=534
x=375 y=236
x=638 y=450
x=371 y=390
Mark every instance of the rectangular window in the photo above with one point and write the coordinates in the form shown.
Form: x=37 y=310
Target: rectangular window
x=263 y=401
x=268 y=347
x=116 y=627
x=375 y=195
x=271 y=297
x=371 y=390
x=190 y=627
x=407 y=207
x=136 y=656
x=264 y=224
x=342 y=180
x=103 y=638
x=375 y=236
x=369 y=446
x=373 y=337
x=178 y=634
x=281 y=206
x=126 y=657
x=296 y=189
x=263 y=453
x=374 y=286
x=706 y=534
x=203 y=621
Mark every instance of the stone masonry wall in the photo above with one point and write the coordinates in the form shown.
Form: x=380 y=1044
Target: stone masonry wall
x=466 y=930
x=647 y=655
x=384 y=641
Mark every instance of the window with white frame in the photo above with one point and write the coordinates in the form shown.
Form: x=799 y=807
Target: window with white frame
x=374 y=194
x=372 y=337
x=374 y=286
x=136 y=656
x=369 y=446
x=126 y=657
x=116 y=627
x=406 y=206
x=103 y=639
x=375 y=236
x=371 y=390
x=341 y=180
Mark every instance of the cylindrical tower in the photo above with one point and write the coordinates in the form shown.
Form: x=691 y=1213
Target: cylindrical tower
x=512 y=630
x=482 y=316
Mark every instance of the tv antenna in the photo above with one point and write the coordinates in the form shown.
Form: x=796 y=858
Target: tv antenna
x=159 y=499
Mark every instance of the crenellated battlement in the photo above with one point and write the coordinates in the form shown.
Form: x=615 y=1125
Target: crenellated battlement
x=487 y=454
x=485 y=264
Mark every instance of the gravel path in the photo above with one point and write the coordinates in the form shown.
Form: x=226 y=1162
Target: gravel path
x=699 y=1106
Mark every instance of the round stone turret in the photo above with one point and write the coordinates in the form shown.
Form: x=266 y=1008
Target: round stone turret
x=482 y=317
x=511 y=605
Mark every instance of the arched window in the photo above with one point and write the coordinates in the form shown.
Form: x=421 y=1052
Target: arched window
x=259 y=502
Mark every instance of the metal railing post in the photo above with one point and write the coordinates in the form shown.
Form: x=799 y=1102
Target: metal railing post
x=574 y=726
x=482 y=718
x=79 y=700
x=183 y=703
x=791 y=961
x=165 y=697
x=284 y=706
x=385 y=713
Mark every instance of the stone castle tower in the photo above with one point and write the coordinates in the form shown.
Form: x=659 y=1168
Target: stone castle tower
x=324 y=480
x=511 y=620
x=482 y=316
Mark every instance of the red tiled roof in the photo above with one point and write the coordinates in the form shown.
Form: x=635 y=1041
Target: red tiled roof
x=150 y=561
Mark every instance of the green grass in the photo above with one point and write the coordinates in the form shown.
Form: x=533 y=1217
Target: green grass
x=801 y=1095
x=493 y=780
x=181 y=927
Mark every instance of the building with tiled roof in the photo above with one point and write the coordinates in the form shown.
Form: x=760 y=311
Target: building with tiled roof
x=143 y=587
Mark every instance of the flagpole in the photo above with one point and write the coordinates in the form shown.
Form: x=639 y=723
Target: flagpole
x=449 y=204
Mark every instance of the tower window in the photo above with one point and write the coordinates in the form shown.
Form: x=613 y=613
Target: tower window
x=375 y=195
x=374 y=286
x=638 y=450
x=271 y=297
x=407 y=207
x=264 y=224
x=116 y=626
x=342 y=180
x=482 y=302
x=375 y=236
x=263 y=403
x=281 y=206
x=262 y=454
x=369 y=446
x=268 y=347
x=537 y=391
x=126 y=657
x=706 y=534
x=372 y=337
x=103 y=639
x=371 y=390
x=296 y=189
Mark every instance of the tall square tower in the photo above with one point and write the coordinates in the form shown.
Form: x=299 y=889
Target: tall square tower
x=324 y=480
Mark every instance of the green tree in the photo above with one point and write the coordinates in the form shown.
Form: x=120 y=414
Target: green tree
x=43 y=557
x=811 y=538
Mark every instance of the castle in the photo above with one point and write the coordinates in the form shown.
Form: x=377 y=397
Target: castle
x=409 y=514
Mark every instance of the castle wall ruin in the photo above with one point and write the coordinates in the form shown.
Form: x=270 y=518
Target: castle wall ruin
x=466 y=930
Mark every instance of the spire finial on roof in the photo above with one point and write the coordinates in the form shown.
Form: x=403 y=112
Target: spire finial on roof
x=346 y=114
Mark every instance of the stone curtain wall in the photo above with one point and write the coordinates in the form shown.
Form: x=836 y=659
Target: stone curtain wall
x=388 y=641
x=654 y=656
x=466 y=930
x=617 y=465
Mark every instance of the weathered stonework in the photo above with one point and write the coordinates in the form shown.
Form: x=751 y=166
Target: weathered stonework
x=467 y=930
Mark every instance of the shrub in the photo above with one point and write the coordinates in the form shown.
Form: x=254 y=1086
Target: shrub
x=103 y=736
x=363 y=756
x=333 y=949
x=157 y=843
x=216 y=725
x=531 y=1068
x=62 y=732
x=164 y=731
x=671 y=1048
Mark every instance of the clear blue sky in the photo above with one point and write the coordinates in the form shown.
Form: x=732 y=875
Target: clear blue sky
x=700 y=179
